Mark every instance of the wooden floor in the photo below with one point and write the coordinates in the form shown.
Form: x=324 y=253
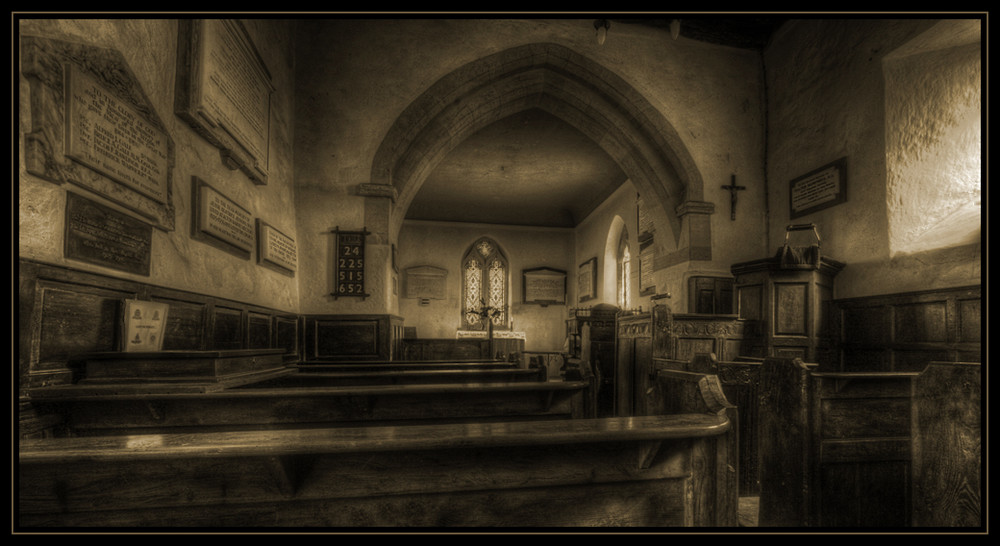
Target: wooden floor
x=746 y=511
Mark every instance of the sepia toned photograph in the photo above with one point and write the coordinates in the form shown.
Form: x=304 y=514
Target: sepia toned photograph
x=499 y=273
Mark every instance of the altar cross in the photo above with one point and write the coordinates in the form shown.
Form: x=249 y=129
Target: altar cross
x=733 y=188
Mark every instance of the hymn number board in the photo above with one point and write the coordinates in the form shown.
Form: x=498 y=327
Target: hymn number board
x=350 y=268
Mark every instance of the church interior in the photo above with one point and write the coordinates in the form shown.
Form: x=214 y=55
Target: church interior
x=375 y=272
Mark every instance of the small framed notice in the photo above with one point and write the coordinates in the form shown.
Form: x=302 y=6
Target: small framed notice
x=544 y=286
x=143 y=325
x=647 y=254
x=586 y=280
x=818 y=189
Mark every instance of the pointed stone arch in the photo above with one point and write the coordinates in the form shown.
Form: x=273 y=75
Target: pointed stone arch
x=553 y=78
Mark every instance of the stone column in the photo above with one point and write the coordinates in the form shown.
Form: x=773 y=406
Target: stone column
x=379 y=201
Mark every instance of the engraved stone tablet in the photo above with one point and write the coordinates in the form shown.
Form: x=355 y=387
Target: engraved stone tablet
x=644 y=219
x=220 y=219
x=647 y=253
x=544 y=286
x=103 y=236
x=91 y=124
x=224 y=92
x=109 y=136
x=275 y=247
x=426 y=282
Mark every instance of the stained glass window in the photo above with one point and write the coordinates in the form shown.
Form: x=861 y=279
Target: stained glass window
x=498 y=278
x=473 y=289
x=485 y=275
x=485 y=248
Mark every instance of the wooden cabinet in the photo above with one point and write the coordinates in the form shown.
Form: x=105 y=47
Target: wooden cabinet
x=710 y=295
x=787 y=307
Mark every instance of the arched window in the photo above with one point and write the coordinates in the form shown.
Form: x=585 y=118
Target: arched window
x=484 y=283
x=624 y=270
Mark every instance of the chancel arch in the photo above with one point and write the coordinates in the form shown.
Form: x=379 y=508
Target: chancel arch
x=577 y=90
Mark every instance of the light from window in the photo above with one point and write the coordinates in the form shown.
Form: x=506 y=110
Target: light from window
x=485 y=277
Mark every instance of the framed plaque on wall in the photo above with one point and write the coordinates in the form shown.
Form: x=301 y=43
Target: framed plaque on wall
x=586 y=280
x=544 y=286
x=818 y=189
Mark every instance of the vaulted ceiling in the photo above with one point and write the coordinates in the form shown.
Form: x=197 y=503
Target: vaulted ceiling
x=534 y=169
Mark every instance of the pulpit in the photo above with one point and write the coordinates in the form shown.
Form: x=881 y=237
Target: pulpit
x=785 y=301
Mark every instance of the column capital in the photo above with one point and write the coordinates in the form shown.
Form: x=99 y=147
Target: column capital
x=378 y=190
x=695 y=207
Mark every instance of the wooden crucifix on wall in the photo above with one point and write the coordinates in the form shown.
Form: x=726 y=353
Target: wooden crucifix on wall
x=733 y=188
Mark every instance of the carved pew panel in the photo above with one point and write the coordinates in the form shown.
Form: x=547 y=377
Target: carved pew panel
x=740 y=382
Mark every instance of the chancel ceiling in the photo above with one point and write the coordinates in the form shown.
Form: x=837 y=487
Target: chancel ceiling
x=528 y=169
x=534 y=169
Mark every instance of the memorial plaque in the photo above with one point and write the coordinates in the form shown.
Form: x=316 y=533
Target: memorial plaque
x=220 y=220
x=646 y=254
x=544 y=286
x=819 y=189
x=350 y=264
x=426 y=282
x=91 y=124
x=103 y=236
x=644 y=220
x=275 y=248
x=586 y=279
x=224 y=91
x=109 y=136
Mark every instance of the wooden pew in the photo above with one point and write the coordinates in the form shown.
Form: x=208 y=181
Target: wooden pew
x=464 y=364
x=132 y=408
x=870 y=449
x=308 y=376
x=646 y=471
x=405 y=365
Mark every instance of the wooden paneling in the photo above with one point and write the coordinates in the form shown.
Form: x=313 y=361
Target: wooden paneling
x=970 y=316
x=905 y=331
x=66 y=312
x=227 y=328
x=751 y=301
x=286 y=335
x=351 y=337
x=722 y=335
x=77 y=319
x=258 y=330
x=790 y=309
x=186 y=324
